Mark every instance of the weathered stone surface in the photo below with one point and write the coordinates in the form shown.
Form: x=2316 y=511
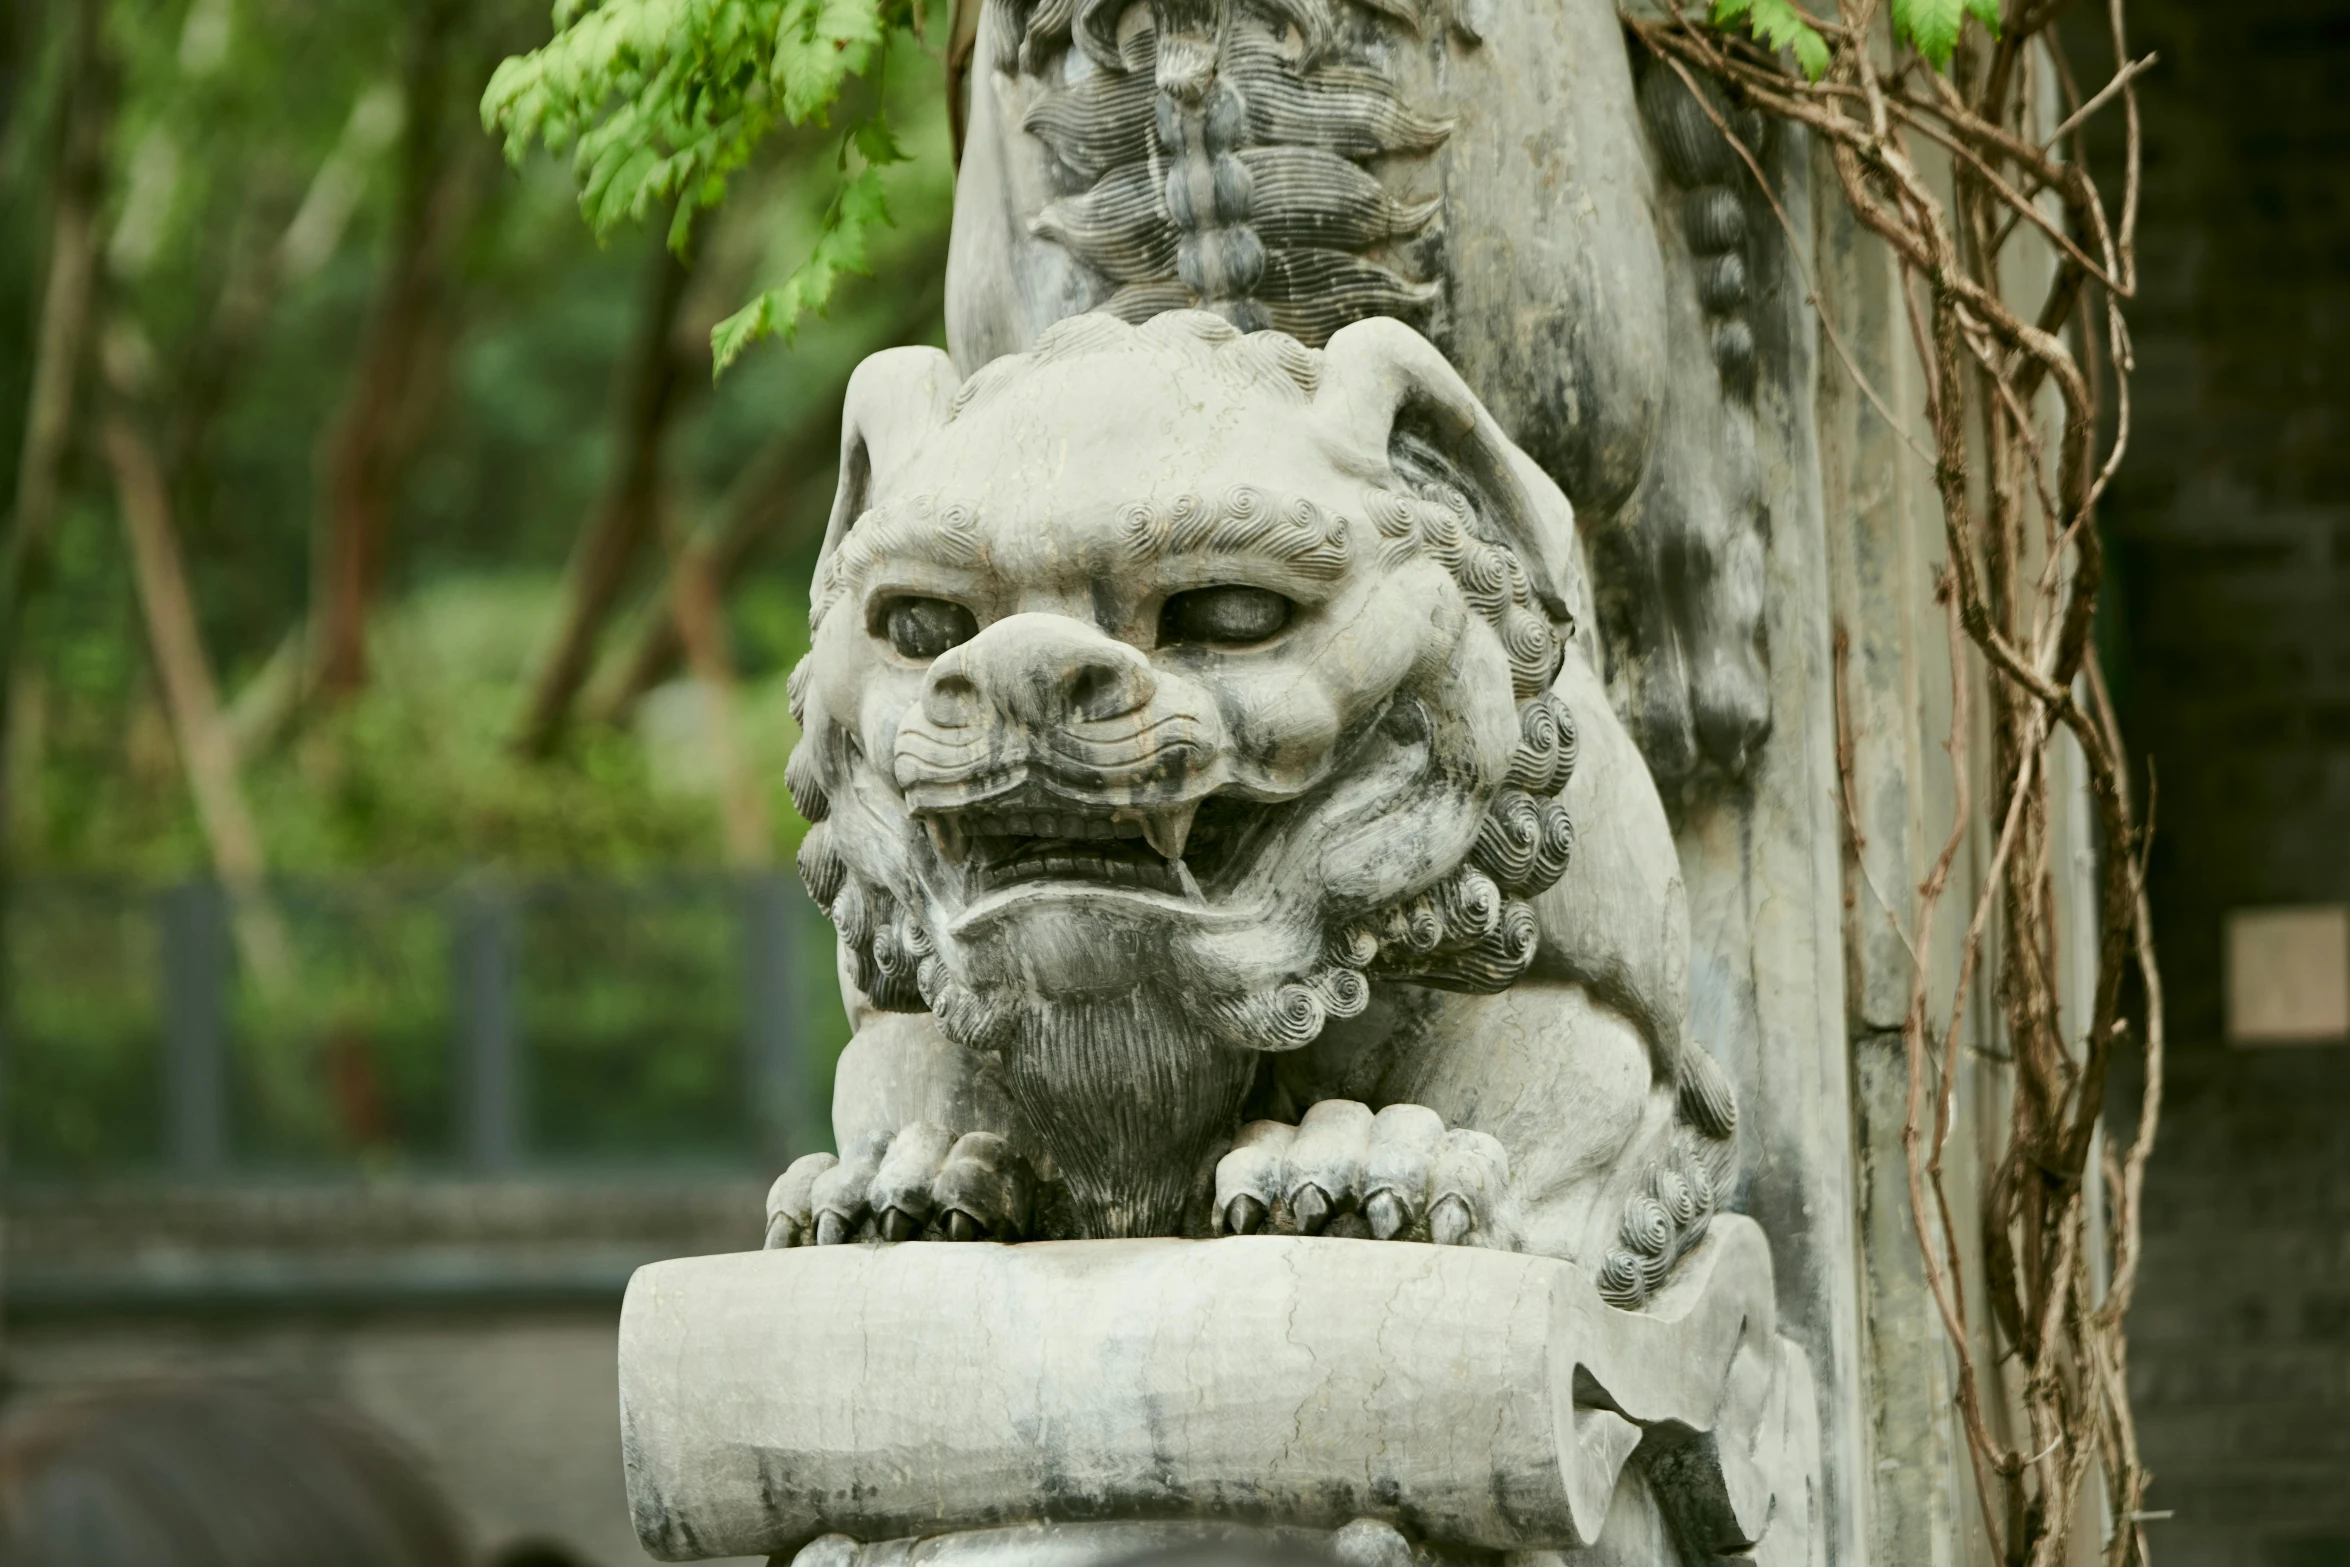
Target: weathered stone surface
x=1613 y=282
x=1150 y=881
x=1472 y=1398
x=1559 y=215
x=1203 y=729
x=1232 y=760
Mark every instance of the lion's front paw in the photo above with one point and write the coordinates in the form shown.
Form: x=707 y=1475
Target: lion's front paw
x=1397 y=1175
x=925 y=1183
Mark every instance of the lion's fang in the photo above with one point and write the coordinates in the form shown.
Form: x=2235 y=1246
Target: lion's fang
x=1167 y=830
x=947 y=837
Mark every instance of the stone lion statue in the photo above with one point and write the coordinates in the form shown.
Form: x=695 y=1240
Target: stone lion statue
x=1224 y=823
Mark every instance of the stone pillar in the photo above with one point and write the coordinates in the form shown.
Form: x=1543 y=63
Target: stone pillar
x=1328 y=727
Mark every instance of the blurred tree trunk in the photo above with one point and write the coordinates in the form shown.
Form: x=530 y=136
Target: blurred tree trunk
x=777 y=491
x=17 y=54
x=206 y=750
x=400 y=365
x=698 y=611
x=65 y=318
x=85 y=114
x=647 y=392
x=255 y=277
x=778 y=497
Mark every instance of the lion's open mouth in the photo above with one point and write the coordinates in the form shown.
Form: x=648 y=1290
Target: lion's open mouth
x=1000 y=848
x=1008 y=861
x=1184 y=850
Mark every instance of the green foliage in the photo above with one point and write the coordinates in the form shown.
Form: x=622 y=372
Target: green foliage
x=416 y=772
x=247 y=220
x=629 y=981
x=1778 y=24
x=840 y=248
x=629 y=994
x=83 y=1078
x=1932 y=26
x=352 y=1057
x=664 y=100
x=631 y=997
x=257 y=154
x=1929 y=26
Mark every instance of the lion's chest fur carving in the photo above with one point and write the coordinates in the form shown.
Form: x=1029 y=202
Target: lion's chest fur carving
x=1170 y=690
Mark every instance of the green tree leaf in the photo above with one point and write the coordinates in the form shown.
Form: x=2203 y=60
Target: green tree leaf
x=1780 y=24
x=819 y=45
x=1932 y=26
x=840 y=250
x=661 y=101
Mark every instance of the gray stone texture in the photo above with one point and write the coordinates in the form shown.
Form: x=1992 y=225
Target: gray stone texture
x=1890 y=669
x=1060 y=1049
x=1562 y=220
x=1480 y=1399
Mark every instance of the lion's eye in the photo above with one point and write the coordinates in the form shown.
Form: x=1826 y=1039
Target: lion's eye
x=924 y=628
x=1223 y=617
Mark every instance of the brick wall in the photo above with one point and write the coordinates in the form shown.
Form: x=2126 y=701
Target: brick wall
x=2232 y=527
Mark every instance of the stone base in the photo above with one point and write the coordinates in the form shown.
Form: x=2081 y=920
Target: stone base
x=1477 y=1401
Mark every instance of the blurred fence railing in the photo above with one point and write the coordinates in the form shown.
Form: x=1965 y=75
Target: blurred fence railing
x=481 y=1026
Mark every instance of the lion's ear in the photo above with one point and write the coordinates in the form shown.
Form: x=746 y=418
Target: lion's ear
x=1387 y=392
x=896 y=398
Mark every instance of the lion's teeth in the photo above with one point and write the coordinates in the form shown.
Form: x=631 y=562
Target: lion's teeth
x=1168 y=829
x=947 y=837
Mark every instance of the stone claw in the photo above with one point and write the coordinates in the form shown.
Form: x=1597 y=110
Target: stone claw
x=1309 y=1209
x=1400 y=1174
x=923 y=1183
x=791 y=1202
x=984 y=1181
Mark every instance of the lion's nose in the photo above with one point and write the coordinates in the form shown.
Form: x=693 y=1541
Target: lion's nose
x=1038 y=670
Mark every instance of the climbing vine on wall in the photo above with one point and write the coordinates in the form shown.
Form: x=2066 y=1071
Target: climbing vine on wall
x=2027 y=361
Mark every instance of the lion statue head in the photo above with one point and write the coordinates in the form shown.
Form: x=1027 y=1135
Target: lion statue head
x=1168 y=687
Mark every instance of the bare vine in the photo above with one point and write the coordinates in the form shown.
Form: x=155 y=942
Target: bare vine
x=2024 y=445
